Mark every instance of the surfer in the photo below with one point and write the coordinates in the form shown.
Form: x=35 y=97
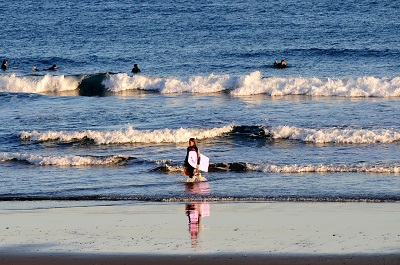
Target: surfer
x=53 y=68
x=191 y=171
x=135 y=69
x=281 y=65
x=4 y=65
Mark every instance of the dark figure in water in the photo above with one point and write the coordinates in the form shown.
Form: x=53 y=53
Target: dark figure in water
x=282 y=64
x=135 y=69
x=53 y=68
x=4 y=65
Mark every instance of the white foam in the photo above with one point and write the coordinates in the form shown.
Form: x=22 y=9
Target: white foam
x=278 y=86
x=360 y=168
x=335 y=135
x=68 y=160
x=250 y=84
x=37 y=84
x=128 y=135
x=254 y=83
x=197 y=84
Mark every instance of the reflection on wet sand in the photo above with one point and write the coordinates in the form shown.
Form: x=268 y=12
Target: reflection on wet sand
x=195 y=211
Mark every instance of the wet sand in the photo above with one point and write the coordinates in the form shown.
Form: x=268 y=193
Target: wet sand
x=207 y=233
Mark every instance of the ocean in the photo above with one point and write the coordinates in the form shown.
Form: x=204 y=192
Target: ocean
x=326 y=128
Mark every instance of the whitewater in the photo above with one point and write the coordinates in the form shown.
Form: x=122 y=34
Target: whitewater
x=252 y=84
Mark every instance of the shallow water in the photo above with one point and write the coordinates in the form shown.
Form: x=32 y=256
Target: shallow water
x=324 y=129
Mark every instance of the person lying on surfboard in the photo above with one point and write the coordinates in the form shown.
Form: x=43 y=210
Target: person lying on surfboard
x=189 y=170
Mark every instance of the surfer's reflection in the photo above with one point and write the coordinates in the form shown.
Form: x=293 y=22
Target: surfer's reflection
x=195 y=212
x=200 y=188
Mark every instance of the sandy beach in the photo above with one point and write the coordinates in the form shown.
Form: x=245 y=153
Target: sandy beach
x=200 y=232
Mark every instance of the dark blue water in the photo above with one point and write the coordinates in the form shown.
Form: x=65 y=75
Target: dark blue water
x=323 y=129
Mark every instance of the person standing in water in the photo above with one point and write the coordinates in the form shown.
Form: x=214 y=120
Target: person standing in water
x=135 y=69
x=191 y=171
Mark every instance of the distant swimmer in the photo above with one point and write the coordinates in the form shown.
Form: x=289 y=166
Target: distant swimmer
x=4 y=65
x=135 y=69
x=35 y=68
x=53 y=68
x=281 y=65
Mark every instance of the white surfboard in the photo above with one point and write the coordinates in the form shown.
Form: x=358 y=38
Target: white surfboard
x=204 y=161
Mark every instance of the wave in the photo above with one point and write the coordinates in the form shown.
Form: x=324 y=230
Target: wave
x=393 y=168
x=254 y=83
x=129 y=135
x=177 y=167
x=69 y=160
x=243 y=85
x=330 y=168
x=38 y=84
x=126 y=136
x=335 y=135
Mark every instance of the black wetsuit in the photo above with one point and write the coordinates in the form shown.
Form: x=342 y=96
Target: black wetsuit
x=187 y=165
x=135 y=70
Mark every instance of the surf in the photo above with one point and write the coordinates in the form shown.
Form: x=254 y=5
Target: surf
x=129 y=135
x=253 y=83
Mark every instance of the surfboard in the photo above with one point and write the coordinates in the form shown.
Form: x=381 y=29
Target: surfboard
x=204 y=161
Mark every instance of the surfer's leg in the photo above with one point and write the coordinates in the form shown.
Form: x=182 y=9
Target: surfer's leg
x=191 y=171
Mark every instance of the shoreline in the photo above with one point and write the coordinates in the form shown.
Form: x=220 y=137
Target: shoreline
x=233 y=259
x=200 y=232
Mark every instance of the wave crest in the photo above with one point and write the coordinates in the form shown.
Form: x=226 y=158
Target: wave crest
x=126 y=136
x=358 y=168
x=251 y=84
x=335 y=135
x=69 y=160
x=197 y=84
x=37 y=84
x=366 y=86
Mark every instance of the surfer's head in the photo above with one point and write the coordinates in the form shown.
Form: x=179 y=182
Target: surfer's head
x=192 y=141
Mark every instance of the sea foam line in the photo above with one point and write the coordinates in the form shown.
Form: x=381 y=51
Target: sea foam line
x=335 y=135
x=366 y=86
x=237 y=85
x=128 y=135
x=196 y=84
x=254 y=83
x=68 y=160
x=37 y=84
x=357 y=168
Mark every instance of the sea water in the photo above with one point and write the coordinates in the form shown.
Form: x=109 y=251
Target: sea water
x=326 y=128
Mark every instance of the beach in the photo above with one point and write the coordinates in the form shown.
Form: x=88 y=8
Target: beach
x=303 y=160
x=200 y=232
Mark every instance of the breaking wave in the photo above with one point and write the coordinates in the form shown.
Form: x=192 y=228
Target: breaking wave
x=126 y=136
x=177 y=167
x=129 y=135
x=69 y=160
x=335 y=135
x=251 y=84
x=393 y=168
